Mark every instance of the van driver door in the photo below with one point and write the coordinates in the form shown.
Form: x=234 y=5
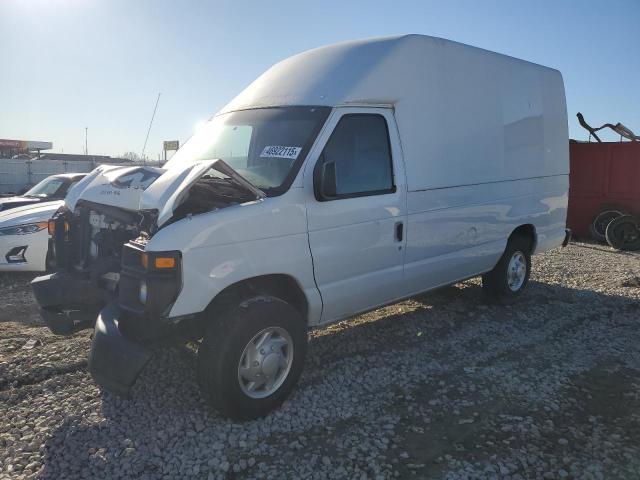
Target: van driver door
x=356 y=208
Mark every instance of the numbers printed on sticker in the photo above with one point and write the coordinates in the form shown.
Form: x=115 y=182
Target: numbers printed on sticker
x=281 y=152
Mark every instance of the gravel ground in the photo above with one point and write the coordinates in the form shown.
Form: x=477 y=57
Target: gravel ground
x=440 y=386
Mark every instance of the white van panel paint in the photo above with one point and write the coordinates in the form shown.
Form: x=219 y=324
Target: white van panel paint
x=223 y=247
x=456 y=232
x=479 y=144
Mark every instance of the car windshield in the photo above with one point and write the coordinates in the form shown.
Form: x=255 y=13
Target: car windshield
x=266 y=146
x=47 y=187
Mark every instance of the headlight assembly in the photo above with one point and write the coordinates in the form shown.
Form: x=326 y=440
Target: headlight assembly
x=25 y=229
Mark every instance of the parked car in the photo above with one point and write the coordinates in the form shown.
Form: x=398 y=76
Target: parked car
x=24 y=237
x=51 y=188
x=344 y=178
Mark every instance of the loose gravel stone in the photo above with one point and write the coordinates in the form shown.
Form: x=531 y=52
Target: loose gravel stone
x=443 y=385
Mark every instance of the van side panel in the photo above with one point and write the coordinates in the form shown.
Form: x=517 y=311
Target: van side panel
x=479 y=118
x=459 y=232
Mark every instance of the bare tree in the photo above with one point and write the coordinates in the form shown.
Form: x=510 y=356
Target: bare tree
x=133 y=156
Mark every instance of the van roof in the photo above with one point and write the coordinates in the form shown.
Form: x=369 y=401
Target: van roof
x=369 y=71
x=464 y=115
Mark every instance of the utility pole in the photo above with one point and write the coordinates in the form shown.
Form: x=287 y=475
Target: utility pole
x=86 y=144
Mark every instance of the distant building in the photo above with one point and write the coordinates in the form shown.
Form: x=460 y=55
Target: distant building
x=77 y=157
x=10 y=148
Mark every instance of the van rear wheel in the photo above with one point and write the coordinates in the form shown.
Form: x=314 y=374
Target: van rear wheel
x=251 y=357
x=510 y=276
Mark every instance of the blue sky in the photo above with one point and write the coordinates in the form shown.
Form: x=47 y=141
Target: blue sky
x=67 y=64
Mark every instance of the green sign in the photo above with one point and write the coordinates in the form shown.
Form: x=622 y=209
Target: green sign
x=171 y=145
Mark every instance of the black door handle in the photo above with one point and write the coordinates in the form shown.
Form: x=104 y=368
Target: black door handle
x=399 y=231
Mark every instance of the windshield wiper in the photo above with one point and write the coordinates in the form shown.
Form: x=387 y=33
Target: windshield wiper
x=235 y=177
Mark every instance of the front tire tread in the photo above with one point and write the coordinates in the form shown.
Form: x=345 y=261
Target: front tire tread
x=222 y=347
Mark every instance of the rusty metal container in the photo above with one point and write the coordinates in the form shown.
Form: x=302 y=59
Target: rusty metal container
x=604 y=176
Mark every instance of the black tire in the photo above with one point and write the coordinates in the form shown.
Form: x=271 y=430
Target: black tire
x=598 y=227
x=496 y=283
x=623 y=233
x=222 y=348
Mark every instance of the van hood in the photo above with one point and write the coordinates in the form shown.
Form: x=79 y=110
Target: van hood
x=146 y=188
x=112 y=185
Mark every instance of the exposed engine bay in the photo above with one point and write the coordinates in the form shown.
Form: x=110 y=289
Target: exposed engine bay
x=91 y=238
x=209 y=193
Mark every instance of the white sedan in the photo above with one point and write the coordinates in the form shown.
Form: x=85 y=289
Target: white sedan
x=24 y=237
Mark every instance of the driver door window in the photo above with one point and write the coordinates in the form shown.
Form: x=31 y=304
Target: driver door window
x=357 y=158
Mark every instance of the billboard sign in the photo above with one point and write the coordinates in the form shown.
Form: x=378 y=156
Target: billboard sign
x=171 y=145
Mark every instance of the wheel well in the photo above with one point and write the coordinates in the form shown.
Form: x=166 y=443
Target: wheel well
x=281 y=286
x=527 y=231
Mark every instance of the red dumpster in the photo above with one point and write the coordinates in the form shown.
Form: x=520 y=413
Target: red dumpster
x=604 y=176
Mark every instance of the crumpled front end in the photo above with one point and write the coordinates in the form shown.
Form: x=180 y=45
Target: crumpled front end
x=67 y=303
x=107 y=281
x=104 y=275
x=86 y=248
x=115 y=361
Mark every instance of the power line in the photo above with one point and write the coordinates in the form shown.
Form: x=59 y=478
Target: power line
x=150 y=123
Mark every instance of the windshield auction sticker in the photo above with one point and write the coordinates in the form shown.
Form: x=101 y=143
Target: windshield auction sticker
x=281 y=152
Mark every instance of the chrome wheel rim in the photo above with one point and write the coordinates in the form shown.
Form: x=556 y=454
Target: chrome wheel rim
x=265 y=362
x=516 y=271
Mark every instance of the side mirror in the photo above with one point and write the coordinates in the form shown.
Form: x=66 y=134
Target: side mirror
x=325 y=181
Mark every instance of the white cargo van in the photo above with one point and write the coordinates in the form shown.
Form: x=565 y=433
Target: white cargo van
x=344 y=178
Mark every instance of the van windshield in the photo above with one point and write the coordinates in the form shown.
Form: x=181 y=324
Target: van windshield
x=266 y=145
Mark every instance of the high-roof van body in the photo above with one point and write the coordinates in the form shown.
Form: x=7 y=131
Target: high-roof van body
x=344 y=178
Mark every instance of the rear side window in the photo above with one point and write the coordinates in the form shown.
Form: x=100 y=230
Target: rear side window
x=359 y=149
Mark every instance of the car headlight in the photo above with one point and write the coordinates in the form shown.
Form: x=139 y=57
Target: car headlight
x=25 y=229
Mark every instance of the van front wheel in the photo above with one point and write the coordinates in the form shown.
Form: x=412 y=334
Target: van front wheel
x=251 y=357
x=510 y=276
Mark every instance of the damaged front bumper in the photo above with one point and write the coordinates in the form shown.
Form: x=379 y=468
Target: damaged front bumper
x=125 y=330
x=115 y=361
x=67 y=304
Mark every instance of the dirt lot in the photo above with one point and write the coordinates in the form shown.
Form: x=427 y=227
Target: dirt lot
x=441 y=386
